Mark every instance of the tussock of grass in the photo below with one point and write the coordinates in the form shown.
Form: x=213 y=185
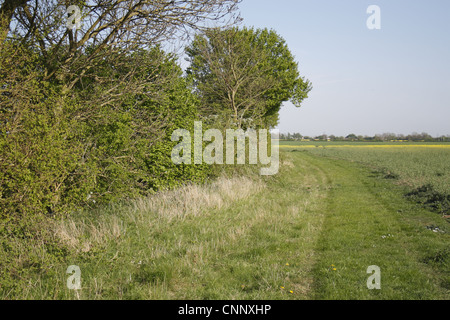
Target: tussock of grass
x=81 y=235
x=430 y=198
x=192 y=200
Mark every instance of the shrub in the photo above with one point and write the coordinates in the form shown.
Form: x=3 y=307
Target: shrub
x=431 y=199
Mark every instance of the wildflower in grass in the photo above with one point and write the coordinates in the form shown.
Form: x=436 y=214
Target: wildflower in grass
x=291 y=291
x=282 y=287
x=287 y=264
x=334 y=269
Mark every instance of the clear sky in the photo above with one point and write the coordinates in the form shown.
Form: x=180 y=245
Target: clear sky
x=396 y=79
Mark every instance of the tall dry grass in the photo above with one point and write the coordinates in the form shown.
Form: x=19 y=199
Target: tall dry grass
x=193 y=200
x=82 y=235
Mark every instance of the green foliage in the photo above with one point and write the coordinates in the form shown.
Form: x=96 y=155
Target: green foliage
x=36 y=153
x=28 y=249
x=61 y=151
x=245 y=74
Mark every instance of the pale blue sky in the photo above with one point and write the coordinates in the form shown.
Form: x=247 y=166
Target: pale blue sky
x=396 y=79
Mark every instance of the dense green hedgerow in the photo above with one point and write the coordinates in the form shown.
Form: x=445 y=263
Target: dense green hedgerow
x=61 y=150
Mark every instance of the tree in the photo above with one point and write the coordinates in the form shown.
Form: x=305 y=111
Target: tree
x=244 y=75
x=107 y=26
x=297 y=136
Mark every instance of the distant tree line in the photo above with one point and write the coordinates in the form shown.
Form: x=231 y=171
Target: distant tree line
x=414 y=137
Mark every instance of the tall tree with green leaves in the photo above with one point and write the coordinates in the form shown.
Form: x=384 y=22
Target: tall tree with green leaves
x=244 y=75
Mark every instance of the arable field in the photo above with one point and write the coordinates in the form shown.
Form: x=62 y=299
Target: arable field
x=412 y=164
x=310 y=232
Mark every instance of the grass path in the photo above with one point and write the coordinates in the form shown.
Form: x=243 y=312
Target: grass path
x=368 y=222
x=309 y=232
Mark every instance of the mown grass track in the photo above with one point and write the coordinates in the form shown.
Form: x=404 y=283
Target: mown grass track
x=368 y=222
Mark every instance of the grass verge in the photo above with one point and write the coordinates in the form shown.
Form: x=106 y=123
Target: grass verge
x=309 y=232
